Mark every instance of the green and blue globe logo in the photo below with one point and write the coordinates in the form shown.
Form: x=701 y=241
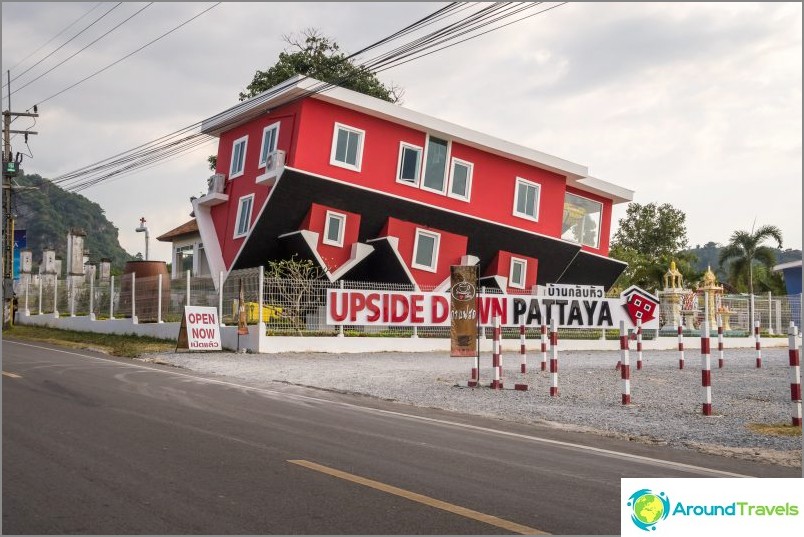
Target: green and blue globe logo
x=648 y=508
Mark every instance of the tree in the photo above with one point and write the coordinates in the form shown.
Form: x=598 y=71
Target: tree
x=315 y=55
x=294 y=285
x=648 y=239
x=320 y=57
x=652 y=230
x=745 y=250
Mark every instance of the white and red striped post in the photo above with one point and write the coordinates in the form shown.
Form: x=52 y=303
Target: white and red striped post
x=639 y=343
x=524 y=366
x=553 y=358
x=473 y=382
x=625 y=367
x=680 y=347
x=706 y=370
x=496 y=360
x=544 y=346
x=795 y=374
x=758 y=344
x=719 y=342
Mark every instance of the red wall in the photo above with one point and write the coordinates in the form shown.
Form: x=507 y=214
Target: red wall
x=501 y=266
x=450 y=250
x=316 y=220
x=309 y=125
x=493 y=178
x=225 y=214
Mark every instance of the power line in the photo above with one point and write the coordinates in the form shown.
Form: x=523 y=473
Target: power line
x=164 y=147
x=83 y=49
x=90 y=25
x=96 y=73
x=93 y=8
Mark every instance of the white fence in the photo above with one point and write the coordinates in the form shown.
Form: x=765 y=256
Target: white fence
x=286 y=316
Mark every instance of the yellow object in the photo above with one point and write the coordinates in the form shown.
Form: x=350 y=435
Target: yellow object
x=253 y=311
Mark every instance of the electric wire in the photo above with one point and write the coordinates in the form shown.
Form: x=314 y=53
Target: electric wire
x=96 y=73
x=170 y=146
x=66 y=42
x=93 y=8
x=68 y=58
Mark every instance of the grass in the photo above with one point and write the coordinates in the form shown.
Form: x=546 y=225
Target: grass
x=117 y=345
x=774 y=429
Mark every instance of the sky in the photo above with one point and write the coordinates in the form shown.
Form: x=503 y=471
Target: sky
x=692 y=104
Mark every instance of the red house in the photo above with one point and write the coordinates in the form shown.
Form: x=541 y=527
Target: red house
x=373 y=191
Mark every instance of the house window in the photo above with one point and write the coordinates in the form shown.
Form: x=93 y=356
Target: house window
x=516 y=278
x=581 y=221
x=244 y=215
x=526 y=199
x=238 y=157
x=347 y=147
x=270 y=137
x=410 y=163
x=425 y=250
x=333 y=229
x=435 y=165
x=460 y=179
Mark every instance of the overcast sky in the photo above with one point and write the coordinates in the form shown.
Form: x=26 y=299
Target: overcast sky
x=696 y=105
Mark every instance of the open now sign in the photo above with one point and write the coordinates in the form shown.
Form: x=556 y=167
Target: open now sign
x=203 y=328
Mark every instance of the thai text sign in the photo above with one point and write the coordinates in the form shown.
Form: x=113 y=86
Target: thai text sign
x=382 y=308
x=463 y=310
x=203 y=330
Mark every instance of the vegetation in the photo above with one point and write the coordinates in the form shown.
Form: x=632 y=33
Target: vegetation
x=293 y=284
x=315 y=55
x=47 y=212
x=774 y=429
x=648 y=239
x=748 y=261
x=116 y=345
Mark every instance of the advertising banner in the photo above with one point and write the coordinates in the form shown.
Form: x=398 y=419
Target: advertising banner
x=200 y=329
x=383 y=308
x=463 y=310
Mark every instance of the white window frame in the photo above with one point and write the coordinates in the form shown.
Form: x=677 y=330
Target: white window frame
x=237 y=233
x=424 y=166
x=522 y=181
x=361 y=133
x=437 y=241
x=337 y=216
x=599 y=224
x=232 y=174
x=263 y=154
x=470 y=169
x=524 y=264
x=417 y=178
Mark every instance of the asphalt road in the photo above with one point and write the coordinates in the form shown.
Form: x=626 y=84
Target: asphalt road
x=98 y=445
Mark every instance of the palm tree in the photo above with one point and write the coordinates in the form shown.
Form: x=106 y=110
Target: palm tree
x=743 y=250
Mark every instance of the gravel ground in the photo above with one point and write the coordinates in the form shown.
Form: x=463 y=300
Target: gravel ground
x=665 y=409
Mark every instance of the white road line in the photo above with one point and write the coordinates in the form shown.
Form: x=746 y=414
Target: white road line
x=606 y=452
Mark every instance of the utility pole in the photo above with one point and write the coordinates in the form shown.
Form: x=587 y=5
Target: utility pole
x=11 y=169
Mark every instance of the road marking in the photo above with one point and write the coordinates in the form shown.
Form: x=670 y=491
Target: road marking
x=421 y=498
x=11 y=375
x=285 y=396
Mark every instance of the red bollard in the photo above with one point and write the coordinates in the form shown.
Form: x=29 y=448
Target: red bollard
x=706 y=370
x=795 y=374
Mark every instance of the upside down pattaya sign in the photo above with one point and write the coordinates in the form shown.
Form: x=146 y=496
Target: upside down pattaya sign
x=572 y=306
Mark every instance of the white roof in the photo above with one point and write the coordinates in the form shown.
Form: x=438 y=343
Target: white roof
x=301 y=86
x=791 y=264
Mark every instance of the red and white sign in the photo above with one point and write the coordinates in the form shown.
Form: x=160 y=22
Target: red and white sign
x=203 y=328
x=383 y=308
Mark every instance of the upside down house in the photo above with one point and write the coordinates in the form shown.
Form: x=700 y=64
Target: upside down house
x=372 y=191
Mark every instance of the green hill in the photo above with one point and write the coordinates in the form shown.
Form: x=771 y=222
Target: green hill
x=47 y=212
x=707 y=255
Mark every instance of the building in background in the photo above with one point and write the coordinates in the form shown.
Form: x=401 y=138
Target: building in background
x=372 y=191
x=187 y=251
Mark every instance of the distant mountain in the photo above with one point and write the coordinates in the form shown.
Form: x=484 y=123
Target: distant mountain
x=47 y=212
x=708 y=254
